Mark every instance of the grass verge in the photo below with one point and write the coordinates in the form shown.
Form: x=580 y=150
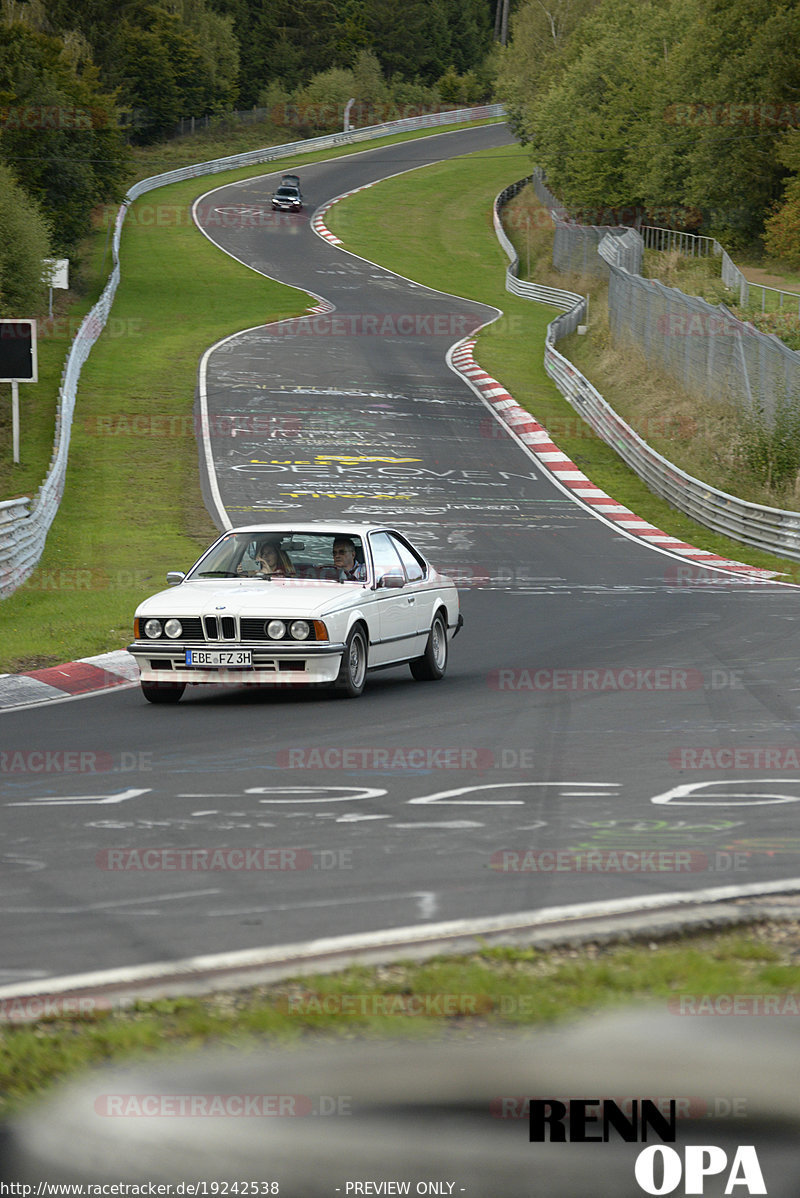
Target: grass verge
x=132 y=506
x=493 y=992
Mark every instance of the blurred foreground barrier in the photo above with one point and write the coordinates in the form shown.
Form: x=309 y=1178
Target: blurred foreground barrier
x=319 y=1120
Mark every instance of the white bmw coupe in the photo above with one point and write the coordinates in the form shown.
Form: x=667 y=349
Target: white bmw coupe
x=296 y=604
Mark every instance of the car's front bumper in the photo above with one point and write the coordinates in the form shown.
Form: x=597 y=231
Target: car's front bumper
x=309 y=662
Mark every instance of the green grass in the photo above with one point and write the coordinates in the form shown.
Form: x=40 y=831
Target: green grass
x=496 y=989
x=132 y=507
x=446 y=240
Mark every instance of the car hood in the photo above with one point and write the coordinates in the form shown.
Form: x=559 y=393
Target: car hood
x=244 y=597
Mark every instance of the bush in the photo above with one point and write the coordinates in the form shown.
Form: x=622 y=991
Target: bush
x=770 y=448
x=24 y=242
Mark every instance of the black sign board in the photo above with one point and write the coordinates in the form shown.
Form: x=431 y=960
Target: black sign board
x=18 y=361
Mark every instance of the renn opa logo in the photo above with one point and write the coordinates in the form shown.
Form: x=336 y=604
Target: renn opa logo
x=659 y=1169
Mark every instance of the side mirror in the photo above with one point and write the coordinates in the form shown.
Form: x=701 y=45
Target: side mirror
x=391 y=581
x=175 y=578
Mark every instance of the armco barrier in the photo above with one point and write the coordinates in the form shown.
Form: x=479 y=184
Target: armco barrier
x=774 y=530
x=534 y=291
x=23 y=531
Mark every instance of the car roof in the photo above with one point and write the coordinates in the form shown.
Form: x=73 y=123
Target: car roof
x=311 y=527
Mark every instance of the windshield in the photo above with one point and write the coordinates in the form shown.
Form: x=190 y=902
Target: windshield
x=327 y=557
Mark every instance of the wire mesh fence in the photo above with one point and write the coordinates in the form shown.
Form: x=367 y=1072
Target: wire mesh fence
x=704 y=347
x=647 y=312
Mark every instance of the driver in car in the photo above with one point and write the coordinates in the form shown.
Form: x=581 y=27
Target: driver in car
x=344 y=560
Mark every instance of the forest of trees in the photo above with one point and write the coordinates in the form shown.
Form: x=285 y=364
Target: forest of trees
x=683 y=110
x=80 y=82
x=686 y=112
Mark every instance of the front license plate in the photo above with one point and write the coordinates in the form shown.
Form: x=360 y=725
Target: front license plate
x=232 y=659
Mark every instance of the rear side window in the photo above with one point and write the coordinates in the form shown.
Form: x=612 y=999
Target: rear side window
x=384 y=555
x=415 y=570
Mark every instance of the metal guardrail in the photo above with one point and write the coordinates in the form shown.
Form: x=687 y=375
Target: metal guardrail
x=774 y=530
x=23 y=531
x=624 y=249
x=533 y=291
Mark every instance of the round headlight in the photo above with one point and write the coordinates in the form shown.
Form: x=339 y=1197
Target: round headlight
x=173 y=628
x=276 y=629
x=152 y=629
x=300 y=629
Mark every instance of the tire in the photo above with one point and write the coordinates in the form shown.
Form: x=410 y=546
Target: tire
x=433 y=663
x=353 y=670
x=162 y=692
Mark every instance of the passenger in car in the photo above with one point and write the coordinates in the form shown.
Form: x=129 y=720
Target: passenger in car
x=274 y=560
x=271 y=560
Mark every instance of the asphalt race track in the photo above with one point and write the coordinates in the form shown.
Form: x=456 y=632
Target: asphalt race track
x=601 y=697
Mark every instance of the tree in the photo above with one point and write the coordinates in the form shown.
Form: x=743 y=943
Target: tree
x=60 y=132
x=541 y=32
x=470 y=33
x=410 y=37
x=738 y=60
x=782 y=228
x=290 y=41
x=167 y=58
x=669 y=107
x=368 y=81
x=167 y=67
x=24 y=242
x=590 y=127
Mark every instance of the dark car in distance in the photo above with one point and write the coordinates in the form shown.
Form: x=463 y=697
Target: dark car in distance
x=287 y=199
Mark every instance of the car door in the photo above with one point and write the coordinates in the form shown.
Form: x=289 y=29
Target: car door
x=417 y=585
x=395 y=603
